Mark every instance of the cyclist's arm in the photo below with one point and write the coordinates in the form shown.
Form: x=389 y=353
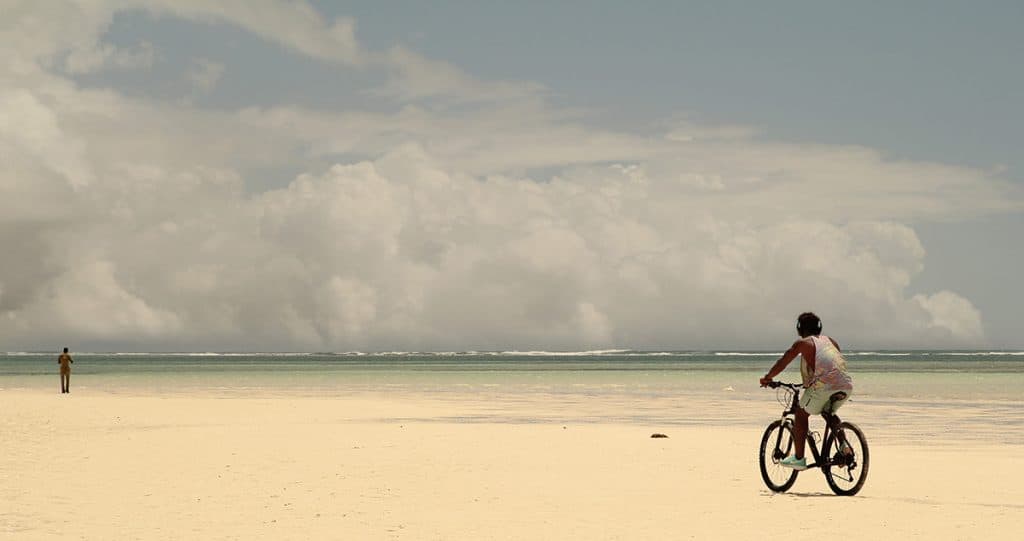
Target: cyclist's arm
x=784 y=361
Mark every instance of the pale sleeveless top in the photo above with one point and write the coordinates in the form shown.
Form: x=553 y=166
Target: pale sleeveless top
x=829 y=367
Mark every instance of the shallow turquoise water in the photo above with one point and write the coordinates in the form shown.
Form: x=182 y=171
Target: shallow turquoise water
x=899 y=396
x=902 y=375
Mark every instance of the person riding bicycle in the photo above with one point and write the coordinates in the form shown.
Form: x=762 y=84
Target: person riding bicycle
x=823 y=369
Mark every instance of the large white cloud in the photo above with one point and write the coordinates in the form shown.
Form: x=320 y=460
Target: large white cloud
x=130 y=222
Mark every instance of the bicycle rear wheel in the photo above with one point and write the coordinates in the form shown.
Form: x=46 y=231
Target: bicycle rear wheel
x=776 y=444
x=847 y=467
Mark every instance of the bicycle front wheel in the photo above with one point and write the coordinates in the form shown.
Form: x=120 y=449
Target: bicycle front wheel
x=848 y=460
x=776 y=444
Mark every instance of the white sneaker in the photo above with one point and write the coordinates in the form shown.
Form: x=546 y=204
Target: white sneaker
x=794 y=462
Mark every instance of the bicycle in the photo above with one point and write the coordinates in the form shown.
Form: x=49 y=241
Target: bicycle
x=844 y=454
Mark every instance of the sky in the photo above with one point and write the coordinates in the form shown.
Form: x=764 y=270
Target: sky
x=404 y=176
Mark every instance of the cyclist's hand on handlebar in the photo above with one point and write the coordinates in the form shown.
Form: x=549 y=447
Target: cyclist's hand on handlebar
x=765 y=381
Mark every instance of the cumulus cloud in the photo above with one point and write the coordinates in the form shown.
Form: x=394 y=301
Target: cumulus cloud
x=88 y=302
x=951 y=313
x=32 y=132
x=131 y=222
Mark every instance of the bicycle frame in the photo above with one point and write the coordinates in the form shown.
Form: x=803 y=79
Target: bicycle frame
x=831 y=427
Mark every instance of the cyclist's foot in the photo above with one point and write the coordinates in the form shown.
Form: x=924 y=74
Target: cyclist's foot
x=794 y=462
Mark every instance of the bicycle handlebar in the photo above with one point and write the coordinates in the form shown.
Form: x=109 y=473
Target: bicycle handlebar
x=777 y=384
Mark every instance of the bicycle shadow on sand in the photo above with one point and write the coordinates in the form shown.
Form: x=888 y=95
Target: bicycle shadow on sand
x=801 y=494
x=915 y=501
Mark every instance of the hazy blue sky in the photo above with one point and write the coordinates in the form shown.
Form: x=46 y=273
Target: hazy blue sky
x=927 y=80
x=454 y=175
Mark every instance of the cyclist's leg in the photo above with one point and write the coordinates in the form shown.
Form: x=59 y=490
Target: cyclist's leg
x=811 y=403
x=829 y=413
x=800 y=432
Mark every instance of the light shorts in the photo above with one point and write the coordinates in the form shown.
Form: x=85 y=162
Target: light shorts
x=815 y=400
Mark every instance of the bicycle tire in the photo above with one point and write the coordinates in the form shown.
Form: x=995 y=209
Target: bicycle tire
x=769 y=458
x=847 y=476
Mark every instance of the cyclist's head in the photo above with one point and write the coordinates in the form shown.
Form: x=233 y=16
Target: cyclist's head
x=808 y=324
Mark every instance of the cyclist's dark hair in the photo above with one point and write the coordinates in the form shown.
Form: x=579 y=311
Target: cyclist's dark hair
x=808 y=324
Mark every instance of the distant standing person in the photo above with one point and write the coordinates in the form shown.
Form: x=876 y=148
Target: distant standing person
x=65 y=371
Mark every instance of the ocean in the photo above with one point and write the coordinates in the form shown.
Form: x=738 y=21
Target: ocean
x=903 y=388
x=993 y=375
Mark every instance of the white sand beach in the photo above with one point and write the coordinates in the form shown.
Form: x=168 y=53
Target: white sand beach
x=94 y=465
